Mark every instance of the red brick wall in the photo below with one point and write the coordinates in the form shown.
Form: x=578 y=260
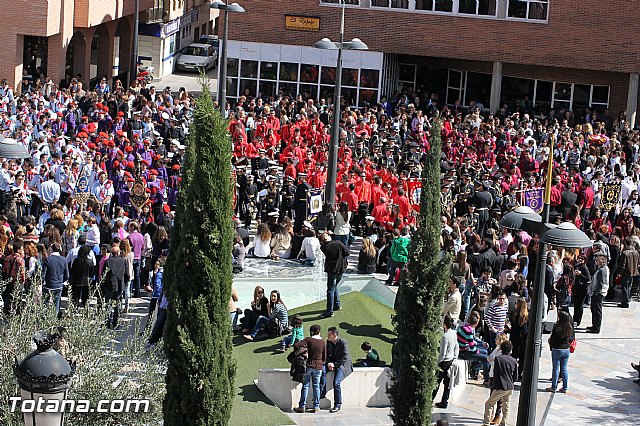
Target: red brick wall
x=598 y=34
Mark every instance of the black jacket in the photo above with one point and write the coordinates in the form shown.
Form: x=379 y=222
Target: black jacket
x=338 y=354
x=336 y=255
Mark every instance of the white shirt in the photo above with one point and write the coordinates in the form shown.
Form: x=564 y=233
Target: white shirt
x=310 y=245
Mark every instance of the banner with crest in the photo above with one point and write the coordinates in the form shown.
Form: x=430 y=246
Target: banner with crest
x=610 y=195
x=83 y=187
x=533 y=198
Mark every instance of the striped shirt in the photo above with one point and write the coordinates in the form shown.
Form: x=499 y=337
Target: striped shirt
x=496 y=316
x=280 y=311
x=466 y=339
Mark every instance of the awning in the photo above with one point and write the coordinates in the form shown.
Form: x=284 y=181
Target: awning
x=10 y=148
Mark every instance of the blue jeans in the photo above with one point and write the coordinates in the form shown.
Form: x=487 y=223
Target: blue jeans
x=55 y=295
x=261 y=322
x=136 y=277
x=287 y=341
x=467 y=296
x=480 y=356
x=338 y=377
x=311 y=375
x=343 y=238
x=560 y=360
x=234 y=319
x=333 y=296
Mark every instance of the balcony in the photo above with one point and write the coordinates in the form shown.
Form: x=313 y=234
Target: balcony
x=156 y=14
x=89 y=13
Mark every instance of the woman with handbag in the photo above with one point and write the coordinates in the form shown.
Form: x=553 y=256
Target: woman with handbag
x=560 y=342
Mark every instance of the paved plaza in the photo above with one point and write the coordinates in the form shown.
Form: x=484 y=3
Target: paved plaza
x=601 y=390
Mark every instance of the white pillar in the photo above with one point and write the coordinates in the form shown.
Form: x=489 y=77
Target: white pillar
x=632 y=99
x=496 y=86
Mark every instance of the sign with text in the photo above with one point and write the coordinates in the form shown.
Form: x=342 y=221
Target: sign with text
x=302 y=23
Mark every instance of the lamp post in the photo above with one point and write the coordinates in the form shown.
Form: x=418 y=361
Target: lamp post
x=133 y=72
x=565 y=235
x=43 y=375
x=325 y=43
x=222 y=60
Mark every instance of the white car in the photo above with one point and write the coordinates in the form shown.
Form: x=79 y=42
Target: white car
x=196 y=57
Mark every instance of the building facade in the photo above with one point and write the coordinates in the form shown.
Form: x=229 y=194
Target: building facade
x=181 y=22
x=53 y=37
x=550 y=53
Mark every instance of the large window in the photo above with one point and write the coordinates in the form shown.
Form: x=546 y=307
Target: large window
x=536 y=10
x=435 y=5
x=391 y=4
x=523 y=93
x=267 y=79
x=477 y=7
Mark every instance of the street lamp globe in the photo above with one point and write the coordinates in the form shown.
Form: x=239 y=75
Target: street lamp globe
x=325 y=44
x=566 y=235
x=44 y=375
x=217 y=4
x=357 y=44
x=235 y=7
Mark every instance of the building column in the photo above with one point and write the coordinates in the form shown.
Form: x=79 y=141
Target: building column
x=632 y=99
x=56 y=57
x=496 y=86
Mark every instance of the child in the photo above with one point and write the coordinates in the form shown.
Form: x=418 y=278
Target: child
x=372 y=359
x=502 y=337
x=297 y=334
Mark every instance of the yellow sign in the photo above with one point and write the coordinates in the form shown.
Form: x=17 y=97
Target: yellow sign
x=302 y=23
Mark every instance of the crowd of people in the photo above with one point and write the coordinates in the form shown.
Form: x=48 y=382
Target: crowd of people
x=71 y=223
x=120 y=136
x=488 y=162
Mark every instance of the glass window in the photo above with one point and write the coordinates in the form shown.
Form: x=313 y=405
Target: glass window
x=562 y=92
x=349 y=77
x=309 y=73
x=327 y=92
x=424 y=4
x=267 y=88
x=309 y=91
x=269 y=70
x=581 y=96
x=487 y=7
x=478 y=88
x=249 y=69
x=328 y=75
x=407 y=73
x=290 y=89
x=517 y=9
x=349 y=95
x=452 y=95
x=515 y=91
x=232 y=87
x=368 y=95
x=538 y=10
x=444 y=5
x=232 y=67
x=288 y=71
x=467 y=6
x=600 y=95
x=543 y=93
x=248 y=87
x=369 y=78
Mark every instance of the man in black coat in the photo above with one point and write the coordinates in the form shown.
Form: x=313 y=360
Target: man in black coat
x=335 y=264
x=339 y=361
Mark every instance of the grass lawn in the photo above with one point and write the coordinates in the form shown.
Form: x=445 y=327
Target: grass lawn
x=361 y=318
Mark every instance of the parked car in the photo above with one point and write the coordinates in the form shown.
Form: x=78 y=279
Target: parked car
x=196 y=57
x=212 y=40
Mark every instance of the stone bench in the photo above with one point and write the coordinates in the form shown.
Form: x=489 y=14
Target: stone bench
x=365 y=387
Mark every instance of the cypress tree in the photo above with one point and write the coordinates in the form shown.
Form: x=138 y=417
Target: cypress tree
x=198 y=277
x=418 y=318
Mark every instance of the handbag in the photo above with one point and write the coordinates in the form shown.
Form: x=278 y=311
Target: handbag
x=572 y=346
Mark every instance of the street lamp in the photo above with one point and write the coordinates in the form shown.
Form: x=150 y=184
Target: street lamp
x=564 y=235
x=326 y=44
x=43 y=375
x=222 y=62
